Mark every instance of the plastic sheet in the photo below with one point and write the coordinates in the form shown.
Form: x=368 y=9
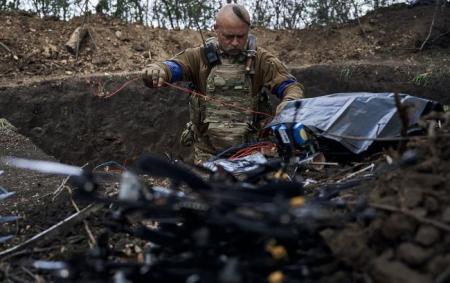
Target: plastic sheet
x=362 y=114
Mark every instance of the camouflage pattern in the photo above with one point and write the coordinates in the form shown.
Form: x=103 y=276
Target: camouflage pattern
x=224 y=126
x=201 y=154
x=187 y=136
x=214 y=127
x=229 y=84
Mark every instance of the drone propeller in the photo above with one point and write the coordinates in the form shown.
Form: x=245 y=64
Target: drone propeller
x=42 y=166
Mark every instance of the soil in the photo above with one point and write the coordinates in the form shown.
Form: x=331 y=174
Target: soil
x=56 y=103
x=117 y=46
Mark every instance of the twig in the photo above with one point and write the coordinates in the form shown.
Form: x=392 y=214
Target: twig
x=75 y=239
x=30 y=251
x=92 y=38
x=92 y=241
x=53 y=231
x=370 y=167
x=27 y=271
x=409 y=213
x=439 y=36
x=60 y=188
x=436 y=9
x=6 y=47
x=325 y=163
x=329 y=191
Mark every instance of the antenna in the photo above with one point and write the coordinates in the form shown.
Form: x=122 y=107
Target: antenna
x=201 y=33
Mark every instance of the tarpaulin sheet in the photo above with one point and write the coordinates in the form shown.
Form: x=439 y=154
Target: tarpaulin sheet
x=361 y=114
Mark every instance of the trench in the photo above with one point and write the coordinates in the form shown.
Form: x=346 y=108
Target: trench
x=67 y=119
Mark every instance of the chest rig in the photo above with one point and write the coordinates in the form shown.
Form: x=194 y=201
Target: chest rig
x=230 y=84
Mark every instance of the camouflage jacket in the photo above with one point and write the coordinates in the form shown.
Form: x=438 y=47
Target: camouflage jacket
x=270 y=72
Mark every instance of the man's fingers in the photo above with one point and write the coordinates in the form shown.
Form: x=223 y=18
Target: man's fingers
x=154 y=77
x=151 y=78
x=161 y=82
x=147 y=79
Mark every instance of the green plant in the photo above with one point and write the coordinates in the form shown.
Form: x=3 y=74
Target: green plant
x=5 y=124
x=346 y=73
x=422 y=79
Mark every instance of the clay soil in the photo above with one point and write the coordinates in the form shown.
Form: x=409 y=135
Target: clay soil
x=408 y=240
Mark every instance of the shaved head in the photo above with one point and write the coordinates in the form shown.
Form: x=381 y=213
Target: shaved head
x=233 y=12
x=232 y=28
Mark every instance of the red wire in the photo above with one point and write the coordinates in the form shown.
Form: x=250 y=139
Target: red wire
x=216 y=100
x=121 y=87
x=249 y=150
x=186 y=90
x=241 y=153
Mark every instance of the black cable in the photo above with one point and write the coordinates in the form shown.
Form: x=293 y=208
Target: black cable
x=159 y=167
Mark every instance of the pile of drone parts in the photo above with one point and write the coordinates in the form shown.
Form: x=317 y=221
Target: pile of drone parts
x=251 y=218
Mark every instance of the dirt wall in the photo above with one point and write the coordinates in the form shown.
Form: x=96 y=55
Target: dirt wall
x=415 y=80
x=67 y=118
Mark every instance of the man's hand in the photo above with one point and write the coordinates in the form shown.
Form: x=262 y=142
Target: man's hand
x=154 y=76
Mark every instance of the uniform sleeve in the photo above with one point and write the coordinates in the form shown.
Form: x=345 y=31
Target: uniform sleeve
x=274 y=75
x=184 y=66
x=291 y=92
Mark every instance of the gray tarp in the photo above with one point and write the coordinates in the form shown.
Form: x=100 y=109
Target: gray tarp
x=361 y=114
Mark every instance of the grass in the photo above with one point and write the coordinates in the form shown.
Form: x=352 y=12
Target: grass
x=346 y=74
x=422 y=79
x=5 y=124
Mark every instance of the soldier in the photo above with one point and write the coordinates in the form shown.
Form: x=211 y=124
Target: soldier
x=230 y=69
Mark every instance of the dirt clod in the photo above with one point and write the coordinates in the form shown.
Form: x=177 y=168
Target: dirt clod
x=384 y=270
x=427 y=235
x=412 y=254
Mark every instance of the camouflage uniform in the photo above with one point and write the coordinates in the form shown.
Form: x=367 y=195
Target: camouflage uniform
x=215 y=126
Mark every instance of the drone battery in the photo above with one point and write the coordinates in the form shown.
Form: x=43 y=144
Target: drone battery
x=282 y=131
x=299 y=134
